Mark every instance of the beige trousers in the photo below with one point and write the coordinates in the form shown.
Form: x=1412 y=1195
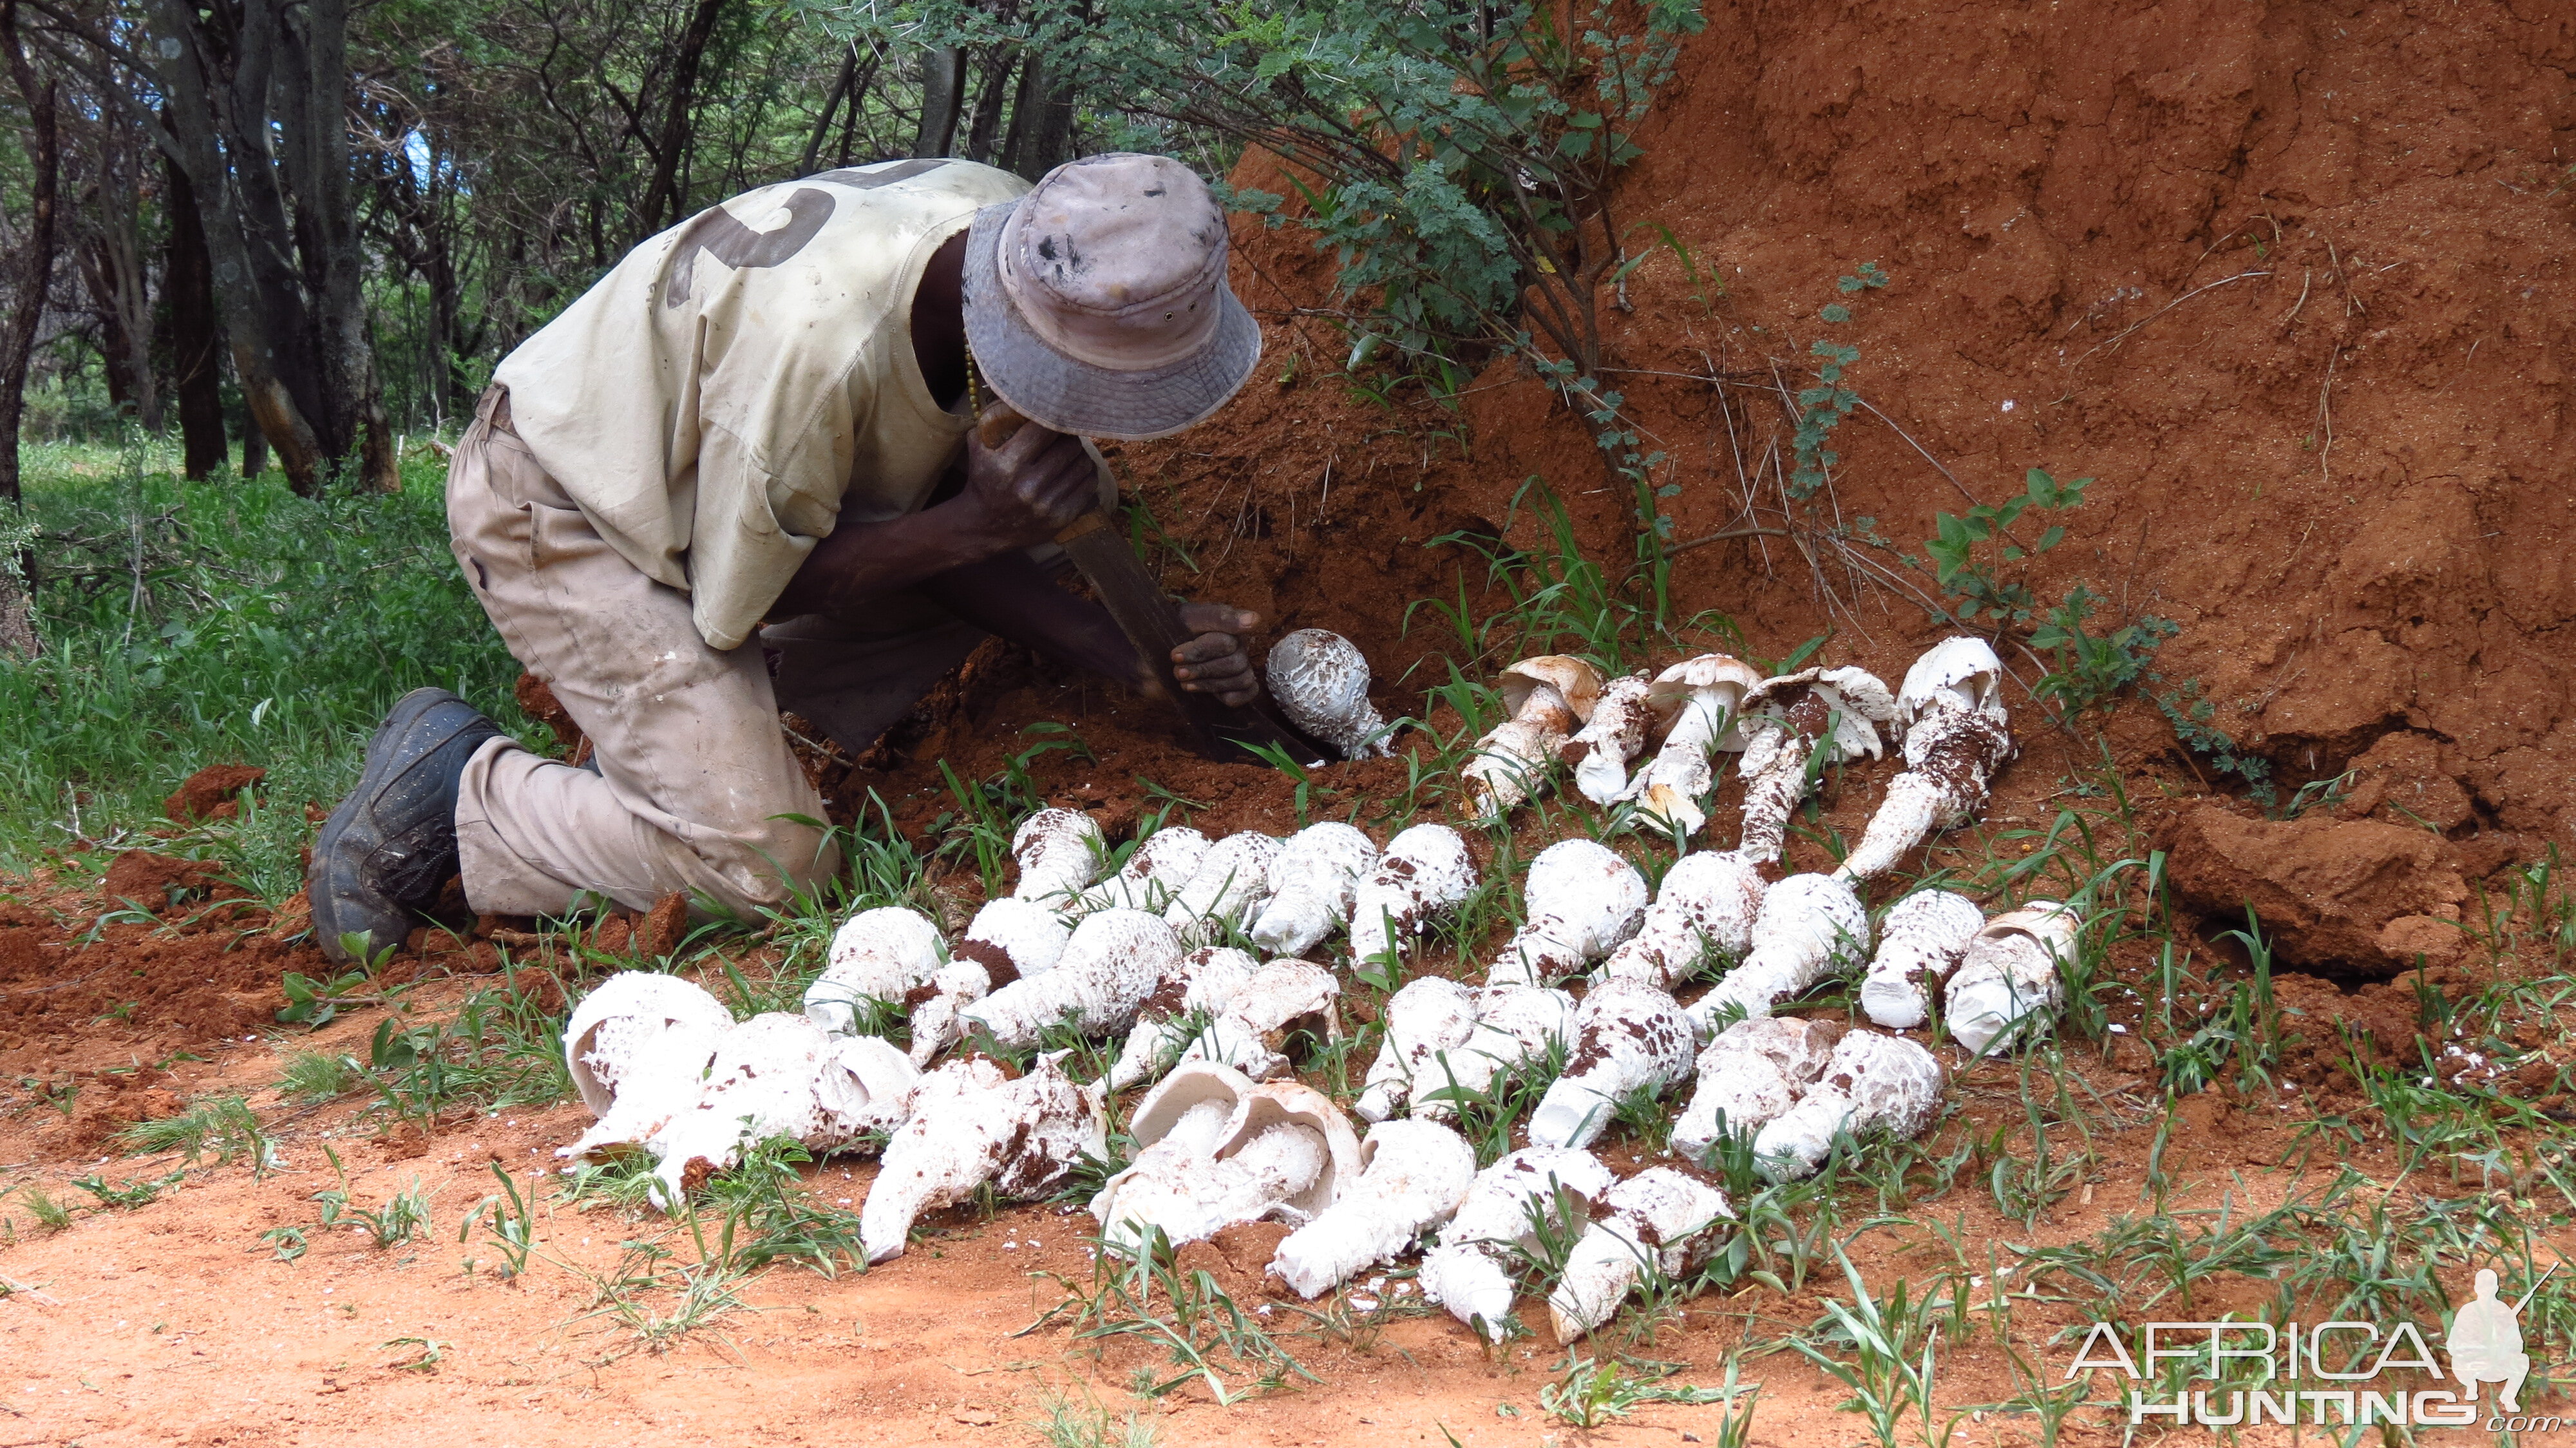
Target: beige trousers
x=694 y=778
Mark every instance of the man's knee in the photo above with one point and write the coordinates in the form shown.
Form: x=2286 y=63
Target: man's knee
x=768 y=867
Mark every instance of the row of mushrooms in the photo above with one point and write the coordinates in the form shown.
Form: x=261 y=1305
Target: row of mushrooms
x=1147 y=946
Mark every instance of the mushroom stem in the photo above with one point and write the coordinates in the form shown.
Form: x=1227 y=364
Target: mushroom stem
x=971 y=1125
x=1872 y=1083
x=1707 y=906
x=1427 y=1017
x=1515 y=1025
x=1628 y=1037
x=1809 y=925
x=1920 y=943
x=1425 y=873
x=1468 y=1272
x=1414 y=1174
x=2008 y=981
x=1659 y=1216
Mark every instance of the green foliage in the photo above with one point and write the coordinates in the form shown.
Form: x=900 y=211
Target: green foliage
x=223 y=1128
x=1592 y=1394
x=1964 y=552
x=498 y=1050
x=131 y=1193
x=196 y=623
x=2190 y=713
x=511 y=1228
x=1822 y=408
x=396 y=1222
x=2087 y=669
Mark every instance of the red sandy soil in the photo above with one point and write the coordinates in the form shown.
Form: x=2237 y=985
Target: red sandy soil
x=2287 y=279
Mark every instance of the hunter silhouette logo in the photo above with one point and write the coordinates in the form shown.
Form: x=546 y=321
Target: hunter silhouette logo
x=2486 y=1341
x=2362 y=1365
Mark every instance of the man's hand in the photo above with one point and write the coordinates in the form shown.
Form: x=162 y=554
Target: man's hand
x=1215 y=662
x=1025 y=491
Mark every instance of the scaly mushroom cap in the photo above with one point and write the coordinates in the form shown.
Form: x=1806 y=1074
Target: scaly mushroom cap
x=1575 y=681
x=1011 y=937
x=1468 y=1272
x=1251 y=1029
x=971 y=1124
x=1428 y=1016
x=1719 y=681
x=1059 y=851
x=1229 y=886
x=1627 y=1036
x=1515 y=1024
x=628 y=1023
x=1312 y=881
x=1155 y=871
x=1624 y=719
x=1872 y=1083
x=2011 y=975
x=877 y=955
x=768 y=1077
x=1963 y=668
x=1425 y=873
x=1598 y=895
x=1659 y=1215
x=1321 y=682
x=868 y=1086
x=1920 y=942
x=1708 y=902
x=1112 y=964
x=1750 y=1075
x=1856 y=700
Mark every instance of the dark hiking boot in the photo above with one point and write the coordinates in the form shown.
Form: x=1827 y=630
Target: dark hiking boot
x=387 y=849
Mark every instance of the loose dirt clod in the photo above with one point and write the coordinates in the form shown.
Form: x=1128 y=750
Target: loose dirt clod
x=210 y=793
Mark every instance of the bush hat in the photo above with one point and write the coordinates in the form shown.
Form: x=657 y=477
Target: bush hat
x=1097 y=303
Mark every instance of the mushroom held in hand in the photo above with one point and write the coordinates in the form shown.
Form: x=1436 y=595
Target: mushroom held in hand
x=1114 y=961
x=1059 y=851
x=1424 y=874
x=1311 y=885
x=1205 y=982
x=2008 y=981
x=971 y=1124
x=1705 y=696
x=1872 y=1083
x=1584 y=902
x=1628 y=1036
x=1920 y=942
x=876 y=956
x=1515 y=1025
x=1548 y=698
x=1708 y=904
x=1951 y=716
x=1215 y=1149
x=1810 y=926
x=1469 y=1271
x=1413 y=1175
x=1230 y=884
x=1753 y=1072
x=1627 y=715
x=1427 y=1017
x=637 y=1047
x=1321 y=683
x=1659 y=1215
x=1786 y=720
x=1155 y=871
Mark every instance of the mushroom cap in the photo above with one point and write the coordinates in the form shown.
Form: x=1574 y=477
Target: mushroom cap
x=1574 y=678
x=1189 y=1084
x=1858 y=699
x=2050 y=923
x=1964 y=667
x=1321 y=681
x=1725 y=675
x=633 y=1009
x=1252 y=1107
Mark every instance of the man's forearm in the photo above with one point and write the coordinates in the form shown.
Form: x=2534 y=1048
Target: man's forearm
x=862 y=561
x=1009 y=595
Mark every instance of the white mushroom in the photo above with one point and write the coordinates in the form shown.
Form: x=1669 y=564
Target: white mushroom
x=1312 y=882
x=1469 y=1271
x=1921 y=941
x=772 y=1075
x=1583 y=902
x=1706 y=907
x=637 y=1047
x=971 y=1124
x=1275 y=1149
x=1705 y=698
x=1950 y=715
x=1250 y=1030
x=876 y=956
x=1059 y=851
x=1660 y=1215
x=1753 y=1072
x=1872 y=1083
x=1229 y=886
x=1425 y=873
x=1427 y=1017
x=1206 y=981
x=1627 y=715
x=1515 y=1025
x=1321 y=683
x=1548 y=698
x=1155 y=871
x=1111 y=965
x=1009 y=938
x=1809 y=927
x=1785 y=722
x=1413 y=1175
x=1628 y=1036
x=2008 y=981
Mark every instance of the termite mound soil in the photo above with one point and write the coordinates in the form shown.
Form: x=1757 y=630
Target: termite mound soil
x=2286 y=280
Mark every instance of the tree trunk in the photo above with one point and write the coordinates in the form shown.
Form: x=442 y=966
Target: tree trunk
x=258 y=110
x=196 y=338
x=664 y=194
x=34 y=270
x=988 y=101
x=254 y=442
x=1041 y=121
x=34 y=277
x=943 y=94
